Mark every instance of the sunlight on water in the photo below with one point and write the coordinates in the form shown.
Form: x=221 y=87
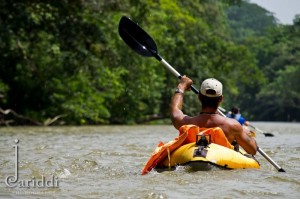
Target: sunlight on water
x=106 y=162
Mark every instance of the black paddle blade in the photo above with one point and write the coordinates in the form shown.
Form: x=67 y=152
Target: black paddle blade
x=268 y=134
x=281 y=170
x=135 y=37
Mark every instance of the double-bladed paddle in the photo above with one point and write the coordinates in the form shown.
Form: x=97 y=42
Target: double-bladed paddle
x=141 y=42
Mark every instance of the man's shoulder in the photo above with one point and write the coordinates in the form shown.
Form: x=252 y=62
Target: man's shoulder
x=233 y=124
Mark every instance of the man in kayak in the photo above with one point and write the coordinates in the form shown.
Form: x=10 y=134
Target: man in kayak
x=210 y=96
x=236 y=114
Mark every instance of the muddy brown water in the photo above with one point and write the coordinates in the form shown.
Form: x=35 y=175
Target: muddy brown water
x=105 y=162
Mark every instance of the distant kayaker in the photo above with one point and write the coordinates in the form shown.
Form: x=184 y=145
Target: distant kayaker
x=236 y=114
x=210 y=96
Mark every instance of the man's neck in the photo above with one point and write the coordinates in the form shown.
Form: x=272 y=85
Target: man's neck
x=209 y=110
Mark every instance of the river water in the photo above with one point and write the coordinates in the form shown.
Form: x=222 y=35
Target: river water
x=105 y=162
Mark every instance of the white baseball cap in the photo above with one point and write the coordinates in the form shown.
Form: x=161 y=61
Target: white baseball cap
x=211 y=88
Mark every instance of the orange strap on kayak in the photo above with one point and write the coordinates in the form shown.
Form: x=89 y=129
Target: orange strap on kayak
x=217 y=135
x=162 y=151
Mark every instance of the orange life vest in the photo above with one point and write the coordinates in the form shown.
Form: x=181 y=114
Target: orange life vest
x=217 y=135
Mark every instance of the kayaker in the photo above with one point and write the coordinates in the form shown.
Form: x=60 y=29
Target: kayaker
x=236 y=114
x=210 y=96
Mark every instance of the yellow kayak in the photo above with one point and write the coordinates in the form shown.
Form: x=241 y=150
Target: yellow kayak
x=200 y=148
x=212 y=154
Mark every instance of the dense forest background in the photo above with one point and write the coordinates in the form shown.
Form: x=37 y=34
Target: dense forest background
x=63 y=62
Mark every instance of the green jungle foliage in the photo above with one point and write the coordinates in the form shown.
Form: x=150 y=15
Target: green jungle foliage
x=63 y=62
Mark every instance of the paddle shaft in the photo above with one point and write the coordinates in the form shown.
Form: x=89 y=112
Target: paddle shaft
x=261 y=131
x=173 y=71
x=169 y=67
x=280 y=169
x=256 y=128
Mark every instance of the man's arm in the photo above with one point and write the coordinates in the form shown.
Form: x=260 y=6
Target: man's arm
x=176 y=110
x=177 y=116
x=245 y=141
